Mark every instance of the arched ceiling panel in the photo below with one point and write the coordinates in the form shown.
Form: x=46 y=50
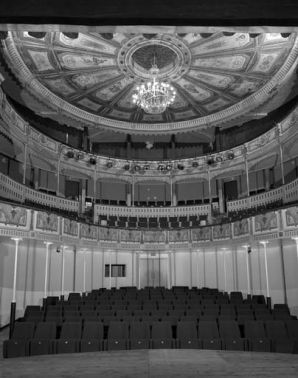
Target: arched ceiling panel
x=93 y=79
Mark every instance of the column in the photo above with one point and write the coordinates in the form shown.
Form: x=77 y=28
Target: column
x=63 y=247
x=198 y=276
x=265 y=242
x=14 y=288
x=138 y=270
x=204 y=262
x=47 y=244
x=246 y=170
x=128 y=194
x=84 y=270
x=133 y=190
x=190 y=269
x=58 y=174
x=82 y=195
x=94 y=185
x=220 y=196
x=25 y=163
x=247 y=249
x=225 y=269
x=267 y=179
x=36 y=178
x=103 y=269
x=278 y=132
x=174 y=269
x=110 y=268
x=209 y=186
x=169 y=275
x=296 y=241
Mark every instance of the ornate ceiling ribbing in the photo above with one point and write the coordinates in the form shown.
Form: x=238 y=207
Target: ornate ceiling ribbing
x=91 y=78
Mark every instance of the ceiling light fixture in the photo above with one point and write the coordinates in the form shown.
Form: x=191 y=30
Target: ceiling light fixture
x=154 y=97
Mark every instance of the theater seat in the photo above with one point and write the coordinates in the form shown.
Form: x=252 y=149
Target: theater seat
x=187 y=336
x=276 y=330
x=117 y=336
x=68 y=342
x=209 y=334
x=44 y=336
x=139 y=337
x=162 y=335
x=18 y=346
x=92 y=337
x=254 y=331
x=230 y=333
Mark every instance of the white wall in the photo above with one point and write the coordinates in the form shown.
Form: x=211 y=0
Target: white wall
x=188 y=268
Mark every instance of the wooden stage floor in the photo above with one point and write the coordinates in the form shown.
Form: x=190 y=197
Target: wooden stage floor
x=153 y=364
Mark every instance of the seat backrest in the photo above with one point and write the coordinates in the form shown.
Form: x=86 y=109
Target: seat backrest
x=276 y=329
x=139 y=330
x=208 y=329
x=32 y=308
x=71 y=330
x=45 y=331
x=254 y=329
x=161 y=330
x=292 y=327
x=92 y=331
x=23 y=331
x=187 y=330
x=229 y=329
x=118 y=330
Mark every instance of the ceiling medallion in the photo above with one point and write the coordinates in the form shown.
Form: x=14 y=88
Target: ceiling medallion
x=154 y=97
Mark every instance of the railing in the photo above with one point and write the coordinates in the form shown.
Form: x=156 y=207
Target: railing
x=287 y=193
x=291 y=192
x=151 y=211
x=267 y=197
x=11 y=189
x=17 y=192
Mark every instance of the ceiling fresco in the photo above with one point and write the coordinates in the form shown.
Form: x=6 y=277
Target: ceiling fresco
x=95 y=75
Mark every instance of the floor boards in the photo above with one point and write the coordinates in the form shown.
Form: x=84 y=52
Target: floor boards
x=153 y=364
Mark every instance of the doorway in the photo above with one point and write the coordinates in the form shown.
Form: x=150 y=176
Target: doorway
x=154 y=269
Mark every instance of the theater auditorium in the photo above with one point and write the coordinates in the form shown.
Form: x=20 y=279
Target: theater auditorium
x=148 y=189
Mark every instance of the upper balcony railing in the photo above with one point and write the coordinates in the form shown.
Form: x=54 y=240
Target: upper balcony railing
x=14 y=191
x=287 y=193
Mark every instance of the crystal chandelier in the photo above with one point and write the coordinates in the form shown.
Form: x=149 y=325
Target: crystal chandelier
x=154 y=97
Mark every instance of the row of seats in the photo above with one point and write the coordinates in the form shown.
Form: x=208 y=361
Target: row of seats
x=173 y=318
x=271 y=336
x=153 y=222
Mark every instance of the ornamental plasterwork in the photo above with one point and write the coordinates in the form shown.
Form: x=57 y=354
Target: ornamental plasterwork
x=225 y=172
x=14 y=216
x=290 y=147
x=41 y=162
x=47 y=222
x=223 y=231
x=241 y=228
x=268 y=161
x=290 y=217
x=217 y=78
x=265 y=222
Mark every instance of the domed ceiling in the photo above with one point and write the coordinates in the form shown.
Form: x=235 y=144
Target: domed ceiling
x=94 y=76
